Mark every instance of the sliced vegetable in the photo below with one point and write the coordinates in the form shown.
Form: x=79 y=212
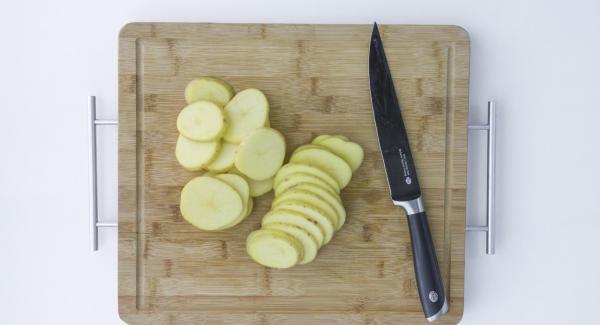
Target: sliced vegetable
x=309 y=198
x=261 y=154
x=225 y=158
x=295 y=219
x=318 y=139
x=326 y=195
x=247 y=111
x=194 y=155
x=209 y=203
x=299 y=178
x=310 y=244
x=239 y=184
x=274 y=248
x=330 y=163
x=209 y=89
x=292 y=168
x=201 y=121
x=313 y=213
x=351 y=152
x=307 y=146
x=257 y=188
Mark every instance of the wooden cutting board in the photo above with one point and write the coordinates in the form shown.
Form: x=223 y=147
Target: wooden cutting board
x=316 y=79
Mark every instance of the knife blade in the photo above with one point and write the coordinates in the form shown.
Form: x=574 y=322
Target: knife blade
x=402 y=179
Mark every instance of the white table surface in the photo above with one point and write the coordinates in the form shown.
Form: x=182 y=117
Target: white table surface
x=540 y=60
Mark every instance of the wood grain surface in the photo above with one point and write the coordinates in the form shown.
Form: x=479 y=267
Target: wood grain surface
x=316 y=80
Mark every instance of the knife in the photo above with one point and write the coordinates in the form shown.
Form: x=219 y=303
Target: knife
x=402 y=179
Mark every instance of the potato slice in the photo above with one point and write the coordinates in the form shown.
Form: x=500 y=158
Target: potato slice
x=298 y=178
x=239 y=184
x=333 y=200
x=209 y=203
x=313 y=213
x=261 y=154
x=274 y=248
x=308 y=242
x=247 y=110
x=250 y=207
x=201 y=121
x=209 y=89
x=194 y=155
x=291 y=168
x=318 y=139
x=307 y=146
x=295 y=219
x=248 y=212
x=329 y=162
x=224 y=159
x=309 y=198
x=351 y=152
x=257 y=188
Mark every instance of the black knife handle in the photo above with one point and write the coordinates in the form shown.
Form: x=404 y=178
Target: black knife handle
x=427 y=271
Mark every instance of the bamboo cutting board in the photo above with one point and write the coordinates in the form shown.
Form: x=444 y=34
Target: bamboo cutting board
x=316 y=79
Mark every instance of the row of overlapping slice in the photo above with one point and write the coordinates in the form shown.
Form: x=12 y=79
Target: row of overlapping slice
x=307 y=208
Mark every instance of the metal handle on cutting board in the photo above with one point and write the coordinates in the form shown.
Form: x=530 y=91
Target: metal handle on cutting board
x=93 y=123
x=489 y=228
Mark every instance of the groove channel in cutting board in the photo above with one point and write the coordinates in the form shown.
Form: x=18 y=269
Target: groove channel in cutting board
x=315 y=77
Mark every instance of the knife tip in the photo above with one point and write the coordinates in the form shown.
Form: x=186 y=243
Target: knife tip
x=375 y=30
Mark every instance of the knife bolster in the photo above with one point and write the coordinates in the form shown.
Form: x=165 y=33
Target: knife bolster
x=411 y=207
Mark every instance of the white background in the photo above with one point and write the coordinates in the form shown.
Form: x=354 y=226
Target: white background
x=540 y=60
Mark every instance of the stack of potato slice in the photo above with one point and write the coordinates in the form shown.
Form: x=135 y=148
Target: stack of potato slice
x=224 y=132
x=307 y=209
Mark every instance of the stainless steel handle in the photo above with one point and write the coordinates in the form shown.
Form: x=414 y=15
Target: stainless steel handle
x=489 y=228
x=94 y=224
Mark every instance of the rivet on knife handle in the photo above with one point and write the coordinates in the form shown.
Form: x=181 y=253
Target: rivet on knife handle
x=94 y=224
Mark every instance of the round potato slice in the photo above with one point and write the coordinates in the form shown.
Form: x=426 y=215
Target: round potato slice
x=248 y=212
x=329 y=162
x=318 y=139
x=247 y=110
x=209 y=203
x=261 y=154
x=274 y=248
x=257 y=188
x=310 y=244
x=299 y=178
x=312 y=199
x=351 y=152
x=326 y=195
x=239 y=184
x=312 y=212
x=225 y=158
x=307 y=146
x=250 y=207
x=291 y=168
x=201 y=121
x=194 y=155
x=295 y=219
x=209 y=89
